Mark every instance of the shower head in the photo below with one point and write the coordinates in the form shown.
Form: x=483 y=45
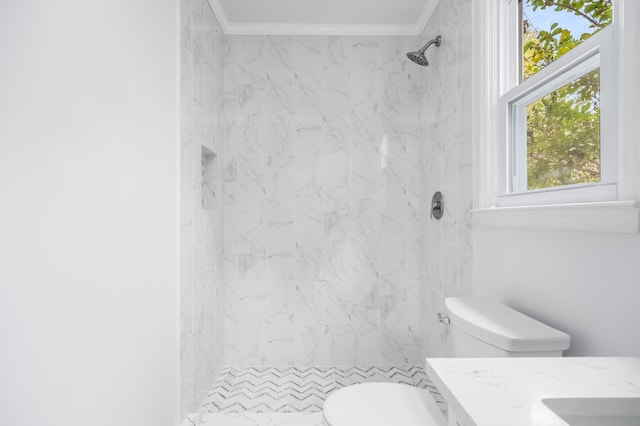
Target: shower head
x=418 y=56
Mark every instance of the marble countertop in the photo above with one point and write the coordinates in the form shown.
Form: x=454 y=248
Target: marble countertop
x=508 y=391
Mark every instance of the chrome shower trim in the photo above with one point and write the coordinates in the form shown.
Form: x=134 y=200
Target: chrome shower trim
x=418 y=56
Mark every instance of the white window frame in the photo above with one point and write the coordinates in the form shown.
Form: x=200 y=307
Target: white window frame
x=596 y=52
x=494 y=80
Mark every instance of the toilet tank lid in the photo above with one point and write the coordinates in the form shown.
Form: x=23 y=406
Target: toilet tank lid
x=503 y=327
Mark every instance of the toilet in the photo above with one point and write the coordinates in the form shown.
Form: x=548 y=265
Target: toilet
x=477 y=328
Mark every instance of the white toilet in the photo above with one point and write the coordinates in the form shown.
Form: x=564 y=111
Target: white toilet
x=478 y=328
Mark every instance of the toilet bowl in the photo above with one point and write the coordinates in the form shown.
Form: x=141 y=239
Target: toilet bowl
x=382 y=404
x=478 y=328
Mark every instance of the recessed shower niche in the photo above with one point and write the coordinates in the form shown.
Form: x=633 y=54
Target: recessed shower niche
x=208 y=169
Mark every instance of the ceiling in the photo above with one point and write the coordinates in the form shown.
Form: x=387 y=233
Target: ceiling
x=316 y=17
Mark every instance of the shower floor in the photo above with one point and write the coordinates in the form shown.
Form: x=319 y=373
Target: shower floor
x=301 y=390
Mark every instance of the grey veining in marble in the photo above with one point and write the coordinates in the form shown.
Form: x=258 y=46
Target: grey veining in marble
x=332 y=149
x=509 y=391
x=320 y=232
x=444 y=265
x=201 y=243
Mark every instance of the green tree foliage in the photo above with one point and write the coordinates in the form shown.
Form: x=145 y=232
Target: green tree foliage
x=563 y=128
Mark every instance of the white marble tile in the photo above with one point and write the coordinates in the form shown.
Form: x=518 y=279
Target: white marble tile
x=280 y=282
x=307 y=93
x=252 y=257
x=262 y=419
x=311 y=345
x=365 y=218
x=394 y=212
x=337 y=261
x=230 y=94
x=364 y=62
x=393 y=134
x=247 y=302
x=394 y=203
x=245 y=343
x=415 y=90
x=366 y=132
x=438 y=332
x=307 y=54
x=341 y=339
x=394 y=174
x=309 y=259
x=393 y=51
x=309 y=218
x=249 y=52
x=281 y=259
x=307 y=150
x=278 y=53
x=336 y=217
x=394 y=95
x=187 y=202
x=337 y=307
x=252 y=155
x=414 y=239
x=365 y=175
x=450 y=270
x=280 y=344
x=280 y=173
x=187 y=370
x=414 y=184
x=433 y=252
x=337 y=52
x=336 y=76
x=336 y=145
x=393 y=275
x=366 y=350
x=365 y=260
x=333 y=180
x=333 y=176
x=365 y=91
x=443 y=158
x=251 y=90
x=309 y=309
x=337 y=131
x=280 y=92
x=201 y=231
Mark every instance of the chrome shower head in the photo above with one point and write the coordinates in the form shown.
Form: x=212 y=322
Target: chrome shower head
x=418 y=56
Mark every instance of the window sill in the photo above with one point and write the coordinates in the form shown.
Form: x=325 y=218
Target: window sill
x=614 y=217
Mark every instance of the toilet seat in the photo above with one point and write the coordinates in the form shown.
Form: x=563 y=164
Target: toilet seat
x=382 y=404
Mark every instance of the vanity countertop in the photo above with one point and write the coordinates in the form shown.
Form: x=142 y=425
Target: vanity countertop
x=509 y=391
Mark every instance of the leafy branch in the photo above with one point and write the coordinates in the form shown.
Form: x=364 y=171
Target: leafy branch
x=575 y=11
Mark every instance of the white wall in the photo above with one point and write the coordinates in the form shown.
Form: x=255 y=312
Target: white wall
x=586 y=284
x=88 y=220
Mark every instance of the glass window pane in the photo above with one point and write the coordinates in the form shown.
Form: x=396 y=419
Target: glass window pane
x=563 y=135
x=551 y=28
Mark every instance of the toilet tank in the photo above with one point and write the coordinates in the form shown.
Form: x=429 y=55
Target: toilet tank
x=484 y=328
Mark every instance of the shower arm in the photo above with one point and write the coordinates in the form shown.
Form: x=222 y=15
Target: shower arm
x=435 y=41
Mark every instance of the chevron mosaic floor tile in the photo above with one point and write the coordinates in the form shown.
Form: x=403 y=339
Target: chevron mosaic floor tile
x=299 y=389
x=261 y=419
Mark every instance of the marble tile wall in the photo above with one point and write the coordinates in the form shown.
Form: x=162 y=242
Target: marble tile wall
x=446 y=165
x=201 y=262
x=323 y=200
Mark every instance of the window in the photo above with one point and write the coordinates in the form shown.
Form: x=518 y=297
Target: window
x=588 y=178
x=557 y=144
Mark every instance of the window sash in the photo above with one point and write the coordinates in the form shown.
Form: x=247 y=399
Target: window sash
x=517 y=157
x=512 y=159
